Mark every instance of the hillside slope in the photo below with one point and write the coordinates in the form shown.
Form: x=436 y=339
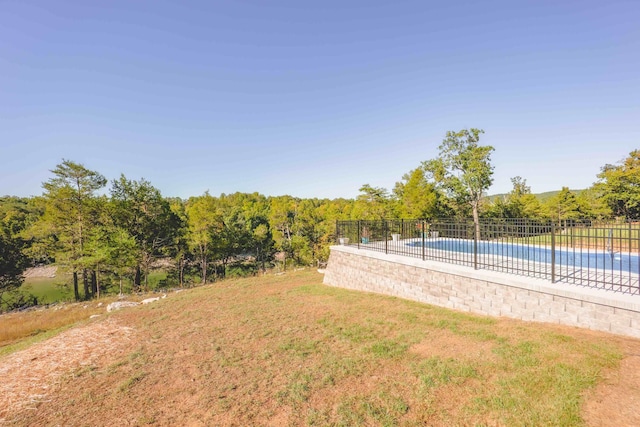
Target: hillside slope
x=287 y=350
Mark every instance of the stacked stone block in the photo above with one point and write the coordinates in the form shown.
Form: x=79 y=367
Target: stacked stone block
x=483 y=292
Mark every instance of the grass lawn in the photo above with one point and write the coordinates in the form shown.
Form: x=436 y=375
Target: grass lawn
x=54 y=289
x=287 y=350
x=48 y=289
x=618 y=238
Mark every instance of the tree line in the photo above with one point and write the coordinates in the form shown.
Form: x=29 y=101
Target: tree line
x=109 y=237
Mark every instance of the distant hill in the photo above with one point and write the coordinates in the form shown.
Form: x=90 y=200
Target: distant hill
x=543 y=197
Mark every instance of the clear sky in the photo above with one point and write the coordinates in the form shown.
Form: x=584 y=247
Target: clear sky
x=314 y=98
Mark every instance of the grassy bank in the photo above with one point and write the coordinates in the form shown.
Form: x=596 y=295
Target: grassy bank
x=287 y=350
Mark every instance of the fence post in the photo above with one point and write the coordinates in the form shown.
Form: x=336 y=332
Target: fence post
x=475 y=247
x=423 y=230
x=629 y=240
x=553 y=252
x=337 y=231
x=385 y=226
x=358 y=234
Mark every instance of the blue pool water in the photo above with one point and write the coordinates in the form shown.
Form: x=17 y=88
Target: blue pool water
x=623 y=262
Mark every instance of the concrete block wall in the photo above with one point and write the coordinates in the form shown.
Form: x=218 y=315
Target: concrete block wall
x=483 y=292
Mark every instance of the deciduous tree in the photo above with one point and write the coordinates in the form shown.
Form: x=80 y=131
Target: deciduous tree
x=416 y=197
x=282 y=214
x=373 y=203
x=140 y=209
x=203 y=221
x=518 y=203
x=564 y=205
x=12 y=261
x=463 y=169
x=619 y=186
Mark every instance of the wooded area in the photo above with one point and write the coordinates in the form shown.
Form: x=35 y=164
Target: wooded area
x=110 y=241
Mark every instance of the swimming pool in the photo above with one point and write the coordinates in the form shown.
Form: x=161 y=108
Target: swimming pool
x=581 y=258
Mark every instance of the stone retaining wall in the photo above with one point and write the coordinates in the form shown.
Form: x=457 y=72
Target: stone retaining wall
x=483 y=292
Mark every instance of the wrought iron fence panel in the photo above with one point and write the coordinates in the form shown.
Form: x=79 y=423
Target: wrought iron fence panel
x=583 y=252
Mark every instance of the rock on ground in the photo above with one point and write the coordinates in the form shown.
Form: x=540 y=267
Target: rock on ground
x=120 y=304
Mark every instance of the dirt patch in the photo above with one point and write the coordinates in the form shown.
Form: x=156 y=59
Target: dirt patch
x=31 y=376
x=447 y=345
x=616 y=399
x=46 y=271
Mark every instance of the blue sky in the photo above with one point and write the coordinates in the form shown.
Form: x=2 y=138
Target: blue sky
x=314 y=99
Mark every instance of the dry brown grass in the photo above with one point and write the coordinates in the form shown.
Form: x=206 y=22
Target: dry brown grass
x=286 y=350
x=29 y=376
x=17 y=326
x=19 y=329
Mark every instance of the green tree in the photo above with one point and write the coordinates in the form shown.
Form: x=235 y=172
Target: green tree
x=122 y=253
x=282 y=214
x=255 y=209
x=463 y=169
x=619 y=186
x=42 y=242
x=179 y=249
x=112 y=251
x=15 y=216
x=69 y=215
x=594 y=204
x=203 y=221
x=263 y=242
x=308 y=232
x=15 y=213
x=331 y=211
x=519 y=203
x=139 y=208
x=97 y=244
x=564 y=205
x=416 y=197
x=12 y=260
x=234 y=237
x=374 y=203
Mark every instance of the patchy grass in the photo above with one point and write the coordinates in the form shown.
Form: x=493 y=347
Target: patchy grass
x=287 y=350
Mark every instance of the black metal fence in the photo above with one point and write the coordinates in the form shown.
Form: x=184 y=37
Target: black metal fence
x=582 y=252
